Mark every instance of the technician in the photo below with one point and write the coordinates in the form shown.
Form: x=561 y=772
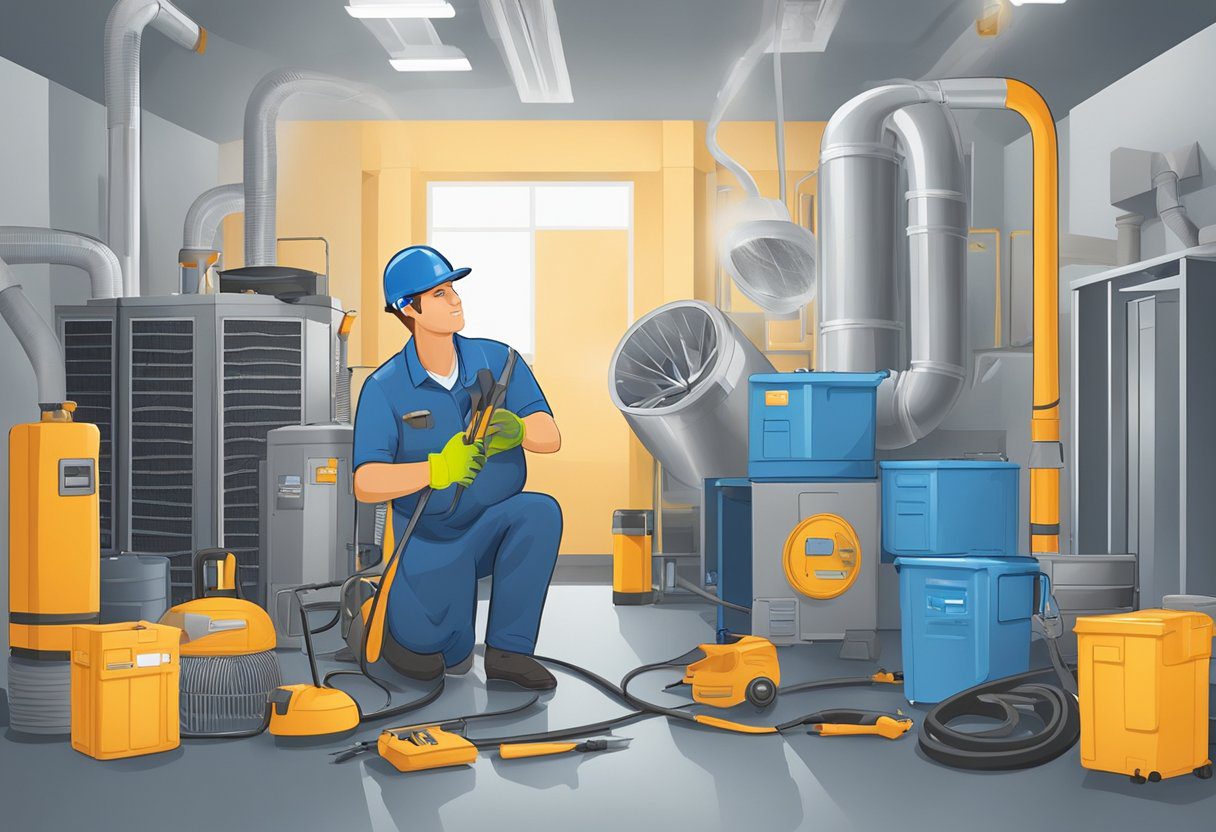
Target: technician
x=409 y=429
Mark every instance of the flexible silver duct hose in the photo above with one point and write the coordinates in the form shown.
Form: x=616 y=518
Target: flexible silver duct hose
x=36 y=338
x=261 y=156
x=1169 y=206
x=912 y=403
x=730 y=88
x=208 y=211
x=124 y=30
x=21 y=244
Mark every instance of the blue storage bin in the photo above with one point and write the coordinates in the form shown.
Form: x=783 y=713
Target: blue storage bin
x=937 y=508
x=812 y=425
x=965 y=620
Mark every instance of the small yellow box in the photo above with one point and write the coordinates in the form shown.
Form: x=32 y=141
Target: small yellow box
x=125 y=689
x=632 y=551
x=1142 y=679
x=776 y=398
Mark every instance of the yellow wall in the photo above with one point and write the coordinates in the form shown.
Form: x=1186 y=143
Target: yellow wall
x=363 y=185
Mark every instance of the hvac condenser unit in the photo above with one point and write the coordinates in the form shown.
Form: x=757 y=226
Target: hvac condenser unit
x=184 y=390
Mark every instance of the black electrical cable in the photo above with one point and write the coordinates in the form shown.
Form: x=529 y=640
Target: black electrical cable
x=997 y=749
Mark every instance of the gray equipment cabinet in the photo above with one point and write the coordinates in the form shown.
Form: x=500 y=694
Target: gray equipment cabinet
x=308 y=520
x=1143 y=399
x=184 y=389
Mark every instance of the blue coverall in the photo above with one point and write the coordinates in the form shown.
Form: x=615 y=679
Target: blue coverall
x=498 y=529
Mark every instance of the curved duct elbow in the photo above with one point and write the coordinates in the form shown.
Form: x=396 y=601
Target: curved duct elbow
x=20 y=245
x=1169 y=206
x=207 y=212
x=912 y=403
x=36 y=337
x=123 y=34
x=261 y=155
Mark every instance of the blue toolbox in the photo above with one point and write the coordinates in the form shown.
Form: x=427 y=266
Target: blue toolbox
x=818 y=426
x=949 y=506
x=965 y=620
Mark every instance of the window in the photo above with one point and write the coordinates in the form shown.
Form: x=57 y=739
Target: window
x=491 y=228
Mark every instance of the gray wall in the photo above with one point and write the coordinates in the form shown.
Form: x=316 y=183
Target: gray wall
x=1162 y=105
x=52 y=173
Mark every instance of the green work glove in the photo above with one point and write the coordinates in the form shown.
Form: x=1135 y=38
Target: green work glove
x=457 y=463
x=506 y=432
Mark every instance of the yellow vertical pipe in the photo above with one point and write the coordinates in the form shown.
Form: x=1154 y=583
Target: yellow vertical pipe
x=1045 y=420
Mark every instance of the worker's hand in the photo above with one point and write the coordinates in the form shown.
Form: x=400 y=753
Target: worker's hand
x=506 y=432
x=457 y=463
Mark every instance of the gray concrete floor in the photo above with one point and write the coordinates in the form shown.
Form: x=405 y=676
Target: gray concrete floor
x=672 y=777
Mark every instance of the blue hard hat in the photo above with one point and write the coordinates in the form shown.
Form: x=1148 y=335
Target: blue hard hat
x=415 y=270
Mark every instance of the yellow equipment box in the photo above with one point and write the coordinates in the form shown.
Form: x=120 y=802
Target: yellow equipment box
x=124 y=689
x=419 y=749
x=1142 y=678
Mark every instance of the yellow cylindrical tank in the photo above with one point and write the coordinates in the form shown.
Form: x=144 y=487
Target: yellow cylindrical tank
x=54 y=551
x=1142 y=679
x=125 y=689
x=632 y=542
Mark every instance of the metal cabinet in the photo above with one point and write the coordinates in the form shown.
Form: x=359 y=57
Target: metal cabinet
x=1144 y=411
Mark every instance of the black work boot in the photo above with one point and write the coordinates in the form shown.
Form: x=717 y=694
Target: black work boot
x=420 y=666
x=518 y=669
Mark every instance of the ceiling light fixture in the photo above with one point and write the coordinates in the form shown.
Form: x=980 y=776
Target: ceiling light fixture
x=1037 y=2
x=440 y=58
x=401 y=10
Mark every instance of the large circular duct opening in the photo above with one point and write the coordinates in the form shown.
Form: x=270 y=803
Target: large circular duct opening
x=665 y=358
x=770 y=257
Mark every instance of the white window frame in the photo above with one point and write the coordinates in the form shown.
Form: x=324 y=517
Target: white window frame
x=532 y=227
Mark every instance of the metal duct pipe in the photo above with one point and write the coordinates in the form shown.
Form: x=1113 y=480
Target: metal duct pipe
x=36 y=338
x=679 y=377
x=1127 y=240
x=912 y=403
x=860 y=322
x=21 y=244
x=124 y=30
x=261 y=157
x=1169 y=206
x=207 y=212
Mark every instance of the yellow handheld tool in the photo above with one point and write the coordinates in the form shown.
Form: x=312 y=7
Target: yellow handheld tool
x=849 y=723
x=730 y=673
x=523 y=750
x=418 y=749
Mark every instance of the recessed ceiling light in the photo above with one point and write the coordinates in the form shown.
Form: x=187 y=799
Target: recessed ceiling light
x=436 y=58
x=401 y=10
x=1036 y=2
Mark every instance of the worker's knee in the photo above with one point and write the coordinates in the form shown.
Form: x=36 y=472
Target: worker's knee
x=538 y=511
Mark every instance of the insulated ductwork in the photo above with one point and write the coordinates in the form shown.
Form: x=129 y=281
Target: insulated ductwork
x=261 y=158
x=202 y=225
x=35 y=336
x=21 y=245
x=124 y=30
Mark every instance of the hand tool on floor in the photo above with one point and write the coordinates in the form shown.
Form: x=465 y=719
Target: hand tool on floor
x=523 y=750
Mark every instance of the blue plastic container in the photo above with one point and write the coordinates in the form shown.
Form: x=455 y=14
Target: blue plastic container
x=965 y=620
x=812 y=425
x=938 y=508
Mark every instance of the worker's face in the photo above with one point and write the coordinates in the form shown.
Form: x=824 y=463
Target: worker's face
x=441 y=312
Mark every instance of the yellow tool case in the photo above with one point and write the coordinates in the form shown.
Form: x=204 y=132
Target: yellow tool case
x=1142 y=679
x=124 y=689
